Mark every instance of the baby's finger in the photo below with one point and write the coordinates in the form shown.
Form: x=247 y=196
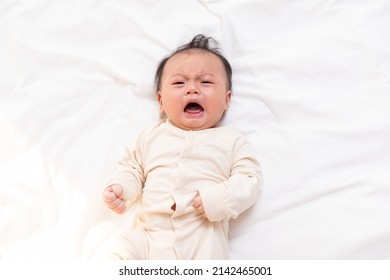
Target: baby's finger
x=117 y=206
x=118 y=191
x=197 y=202
x=200 y=209
x=108 y=196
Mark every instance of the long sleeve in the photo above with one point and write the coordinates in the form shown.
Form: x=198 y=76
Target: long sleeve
x=129 y=173
x=232 y=197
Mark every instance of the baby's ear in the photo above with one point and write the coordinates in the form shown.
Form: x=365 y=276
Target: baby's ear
x=163 y=116
x=228 y=97
x=159 y=99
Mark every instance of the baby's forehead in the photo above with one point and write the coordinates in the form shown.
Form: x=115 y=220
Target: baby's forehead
x=187 y=56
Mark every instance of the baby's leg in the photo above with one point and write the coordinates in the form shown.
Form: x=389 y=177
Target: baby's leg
x=126 y=246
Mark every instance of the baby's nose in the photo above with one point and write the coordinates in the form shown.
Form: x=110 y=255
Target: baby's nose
x=192 y=89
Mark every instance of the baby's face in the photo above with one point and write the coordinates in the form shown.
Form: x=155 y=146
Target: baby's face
x=194 y=90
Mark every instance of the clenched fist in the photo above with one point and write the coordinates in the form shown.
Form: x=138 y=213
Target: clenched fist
x=112 y=197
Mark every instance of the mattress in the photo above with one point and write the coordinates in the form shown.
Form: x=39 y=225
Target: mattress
x=311 y=92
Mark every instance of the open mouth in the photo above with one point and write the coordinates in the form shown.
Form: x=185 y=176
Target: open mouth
x=193 y=108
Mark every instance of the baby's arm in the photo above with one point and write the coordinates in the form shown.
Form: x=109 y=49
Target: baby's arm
x=230 y=198
x=113 y=198
x=125 y=185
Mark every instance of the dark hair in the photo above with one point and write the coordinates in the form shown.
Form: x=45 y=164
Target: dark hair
x=200 y=42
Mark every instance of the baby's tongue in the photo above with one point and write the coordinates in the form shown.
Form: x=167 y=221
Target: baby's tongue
x=193 y=108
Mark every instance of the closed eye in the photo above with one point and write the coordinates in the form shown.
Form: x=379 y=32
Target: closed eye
x=178 y=83
x=206 y=82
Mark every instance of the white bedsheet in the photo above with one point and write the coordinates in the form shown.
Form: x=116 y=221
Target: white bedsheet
x=311 y=92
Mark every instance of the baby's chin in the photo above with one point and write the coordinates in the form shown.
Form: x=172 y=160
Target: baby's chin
x=197 y=125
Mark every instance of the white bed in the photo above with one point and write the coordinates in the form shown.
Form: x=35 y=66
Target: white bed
x=311 y=93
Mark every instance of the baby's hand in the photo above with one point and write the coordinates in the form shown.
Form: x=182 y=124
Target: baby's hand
x=198 y=204
x=112 y=196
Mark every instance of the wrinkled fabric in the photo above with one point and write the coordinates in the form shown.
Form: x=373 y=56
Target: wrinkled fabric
x=311 y=83
x=167 y=168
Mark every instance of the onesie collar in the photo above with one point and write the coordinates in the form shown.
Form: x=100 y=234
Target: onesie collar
x=177 y=130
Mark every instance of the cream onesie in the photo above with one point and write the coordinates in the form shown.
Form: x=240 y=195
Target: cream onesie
x=166 y=168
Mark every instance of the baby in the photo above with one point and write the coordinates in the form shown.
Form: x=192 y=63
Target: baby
x=191 y=175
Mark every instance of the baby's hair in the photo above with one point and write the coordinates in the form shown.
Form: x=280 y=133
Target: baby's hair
x=200 y=42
